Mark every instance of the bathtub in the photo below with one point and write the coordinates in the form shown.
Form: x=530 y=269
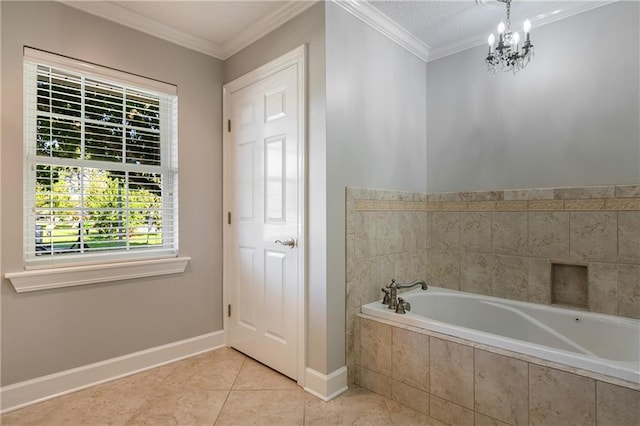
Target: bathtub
x=599 y=343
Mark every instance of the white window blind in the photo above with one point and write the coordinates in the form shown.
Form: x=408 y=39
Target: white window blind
x=100 y=164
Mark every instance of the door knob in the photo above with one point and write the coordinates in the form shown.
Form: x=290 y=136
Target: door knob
x=291 y=243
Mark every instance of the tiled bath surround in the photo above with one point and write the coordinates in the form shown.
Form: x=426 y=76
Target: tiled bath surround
x=499 y=243
x=462 y=383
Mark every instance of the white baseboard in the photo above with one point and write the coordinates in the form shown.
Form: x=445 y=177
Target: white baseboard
x=326 y=387
x=29 y=392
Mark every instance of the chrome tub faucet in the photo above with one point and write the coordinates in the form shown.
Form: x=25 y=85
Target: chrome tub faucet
x=391 y=294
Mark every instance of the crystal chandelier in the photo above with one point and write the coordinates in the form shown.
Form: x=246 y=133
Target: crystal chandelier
x=508 y=55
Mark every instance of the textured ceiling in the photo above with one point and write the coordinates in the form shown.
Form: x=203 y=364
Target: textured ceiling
x=437 y=23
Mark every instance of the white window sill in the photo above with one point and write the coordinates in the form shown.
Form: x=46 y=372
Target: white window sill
x=45 y=279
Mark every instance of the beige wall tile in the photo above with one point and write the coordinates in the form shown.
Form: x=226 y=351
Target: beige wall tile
x=481 y=206
x=559 y=398
x=623 y=204
x=375 y=382
x=501 y=387
x=375 y=346
x=585 y=192
x=545 y=205
x=411 y=266
x=629 y=235
x=365 y=282
x=603 y=288
x=509 y=233
x=365 y=235
x=511 y=206
x=410 y=396
x=594 y=236
x=627 y=191
x=539 y=287
x=482 y=196
x=352 y=348
x=350 y=213
x=407 y=233
x=388 y=236
x=443 y=269
x=476 y=273
x=528 y=194
x=475 y=232
x=617 y=406
x=420 y=229
x=510 y=277
x=451 y=372
x=629 y=290
x=549 y=234
x=587 y=205
x=410 y=358
x=445 y=231
x=449 y=413
x=385 y=271
x=443 y=197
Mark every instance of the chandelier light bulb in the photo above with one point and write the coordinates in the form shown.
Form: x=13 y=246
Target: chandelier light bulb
x=527 y=26
x=501 y=28
x=515 y=41
x=492 y=39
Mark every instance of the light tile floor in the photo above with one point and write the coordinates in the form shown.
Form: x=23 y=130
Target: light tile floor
x=221 y=387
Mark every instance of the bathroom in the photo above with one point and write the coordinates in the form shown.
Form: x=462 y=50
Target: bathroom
x=569 y=120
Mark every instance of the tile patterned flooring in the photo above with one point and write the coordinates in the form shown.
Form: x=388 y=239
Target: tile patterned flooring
x=221 y=387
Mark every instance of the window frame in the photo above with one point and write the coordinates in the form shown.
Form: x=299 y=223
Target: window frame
x=149 y=259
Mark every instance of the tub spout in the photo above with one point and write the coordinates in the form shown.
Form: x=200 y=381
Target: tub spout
x=413 y=284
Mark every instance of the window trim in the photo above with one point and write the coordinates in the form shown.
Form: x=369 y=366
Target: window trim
x=169 y=169
x=47 y=279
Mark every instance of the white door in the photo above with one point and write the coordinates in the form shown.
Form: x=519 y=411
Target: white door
x=263 y=191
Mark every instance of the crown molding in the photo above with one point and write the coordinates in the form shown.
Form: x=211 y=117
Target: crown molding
x=264 y=26
x=359 y=8
x=126 y=17
x=255 y=31
x=386 y=26
x=572 y=9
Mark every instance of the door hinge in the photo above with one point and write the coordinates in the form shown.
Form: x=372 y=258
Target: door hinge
x=228 y=218
x=229 y=310
x=229 y=126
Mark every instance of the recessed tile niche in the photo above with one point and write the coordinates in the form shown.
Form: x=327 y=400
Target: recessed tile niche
x=569 y=285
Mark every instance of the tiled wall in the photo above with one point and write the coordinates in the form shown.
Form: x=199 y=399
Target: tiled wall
x=461 y=383
x=499 y=243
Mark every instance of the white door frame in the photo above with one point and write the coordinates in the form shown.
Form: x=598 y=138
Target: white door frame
x=295 y=57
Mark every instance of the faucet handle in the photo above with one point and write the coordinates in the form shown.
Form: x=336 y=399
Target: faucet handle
x=387 y=296
x=403 y=306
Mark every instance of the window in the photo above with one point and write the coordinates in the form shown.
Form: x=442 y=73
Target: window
x=100 y=164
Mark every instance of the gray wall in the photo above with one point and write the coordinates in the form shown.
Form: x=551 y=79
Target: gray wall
x=376 y=136
x=569 y=118
x=49 y=331
x=307 y=28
